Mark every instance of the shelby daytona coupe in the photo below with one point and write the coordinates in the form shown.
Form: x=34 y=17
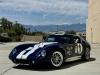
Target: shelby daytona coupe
x=55 y=49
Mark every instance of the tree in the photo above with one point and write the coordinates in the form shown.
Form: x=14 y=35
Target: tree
x=70 y=32
x=19 y=30
x=1 y=30
x=38 y=33
x=5 y=23
x=14 y=30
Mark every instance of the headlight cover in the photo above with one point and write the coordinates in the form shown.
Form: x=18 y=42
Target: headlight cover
x=14 y=51
x=43 y=53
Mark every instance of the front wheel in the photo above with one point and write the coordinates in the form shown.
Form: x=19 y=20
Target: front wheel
x=57 y=59
x=86 y=55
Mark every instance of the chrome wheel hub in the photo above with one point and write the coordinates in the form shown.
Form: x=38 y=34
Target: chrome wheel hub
x=57 y=59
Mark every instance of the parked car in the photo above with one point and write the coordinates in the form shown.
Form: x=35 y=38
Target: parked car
x=5 y=39
x=55 y=49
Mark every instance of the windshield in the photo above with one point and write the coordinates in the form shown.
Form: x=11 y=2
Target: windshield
x=60 y=39
x=51 y=39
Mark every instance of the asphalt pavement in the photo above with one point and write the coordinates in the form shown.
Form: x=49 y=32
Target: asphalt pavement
x=77 y=67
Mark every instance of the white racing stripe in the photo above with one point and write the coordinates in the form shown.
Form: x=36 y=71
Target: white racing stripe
x=21 y=53
x=30 y=52
x=37 y=46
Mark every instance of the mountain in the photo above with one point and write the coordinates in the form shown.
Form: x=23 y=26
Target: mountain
x=49 y=28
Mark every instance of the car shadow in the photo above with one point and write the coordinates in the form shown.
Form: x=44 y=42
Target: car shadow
x=47 y=67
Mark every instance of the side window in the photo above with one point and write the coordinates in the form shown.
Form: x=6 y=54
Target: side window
x=77 y=40
x=65 y=39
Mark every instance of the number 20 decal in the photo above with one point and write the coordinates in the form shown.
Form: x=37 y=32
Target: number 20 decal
x=78 y=48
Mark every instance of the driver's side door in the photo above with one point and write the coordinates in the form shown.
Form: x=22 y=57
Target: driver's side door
x=68 y=46
x=78 y=46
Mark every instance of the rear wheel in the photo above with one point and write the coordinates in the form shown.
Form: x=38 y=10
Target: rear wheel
x=86 y=55
x=57 y=59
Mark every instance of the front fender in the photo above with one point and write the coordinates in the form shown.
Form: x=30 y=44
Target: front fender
x=53 y=48
x=13 y=54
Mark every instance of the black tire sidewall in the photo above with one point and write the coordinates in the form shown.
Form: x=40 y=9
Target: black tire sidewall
x=51 y=57
x=84 y=56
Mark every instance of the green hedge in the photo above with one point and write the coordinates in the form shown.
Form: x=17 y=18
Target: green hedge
x=5 y=39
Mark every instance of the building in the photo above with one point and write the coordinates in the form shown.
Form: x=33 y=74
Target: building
x=32 y=38
x=93 y=22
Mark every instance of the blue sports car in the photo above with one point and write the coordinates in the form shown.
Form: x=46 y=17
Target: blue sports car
x=55 y=49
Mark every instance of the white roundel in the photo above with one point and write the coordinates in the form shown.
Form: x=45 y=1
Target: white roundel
x=78 y=48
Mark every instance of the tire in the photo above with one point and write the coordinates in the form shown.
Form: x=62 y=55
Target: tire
x=56 y=59
x=86 y=55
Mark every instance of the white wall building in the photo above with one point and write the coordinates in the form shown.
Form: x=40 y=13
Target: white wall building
x=93 y=22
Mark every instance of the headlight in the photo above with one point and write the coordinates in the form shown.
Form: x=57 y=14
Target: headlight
x=14 y=51
x=43 y=53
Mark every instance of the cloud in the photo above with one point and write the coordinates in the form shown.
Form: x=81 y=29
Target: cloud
x=59 y=7
x=52 y=6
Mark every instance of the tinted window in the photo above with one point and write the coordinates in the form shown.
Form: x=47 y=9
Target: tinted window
x=58 y=38
x=65 y=39
x=51 y=39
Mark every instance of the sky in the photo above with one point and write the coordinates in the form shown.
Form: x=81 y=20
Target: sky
x=44 y=12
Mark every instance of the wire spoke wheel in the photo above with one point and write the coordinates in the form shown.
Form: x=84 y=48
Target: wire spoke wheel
x=87 y=54
x=57 y=59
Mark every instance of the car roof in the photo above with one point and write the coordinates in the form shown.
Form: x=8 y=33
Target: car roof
x=66 y=35
x=71 y=35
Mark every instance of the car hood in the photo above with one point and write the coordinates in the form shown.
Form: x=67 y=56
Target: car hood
x=30 y=50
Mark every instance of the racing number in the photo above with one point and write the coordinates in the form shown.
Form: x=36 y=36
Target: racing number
x=78 y=48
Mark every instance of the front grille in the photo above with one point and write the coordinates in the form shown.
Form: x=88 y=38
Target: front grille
x=23 y=61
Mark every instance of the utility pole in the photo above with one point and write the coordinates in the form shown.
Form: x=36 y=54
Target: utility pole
x=91 y=35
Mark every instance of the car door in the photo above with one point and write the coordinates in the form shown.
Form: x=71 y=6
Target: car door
x=68 y=46
x=78 y=48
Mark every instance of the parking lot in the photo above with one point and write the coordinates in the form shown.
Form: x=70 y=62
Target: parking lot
x=77 y=67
